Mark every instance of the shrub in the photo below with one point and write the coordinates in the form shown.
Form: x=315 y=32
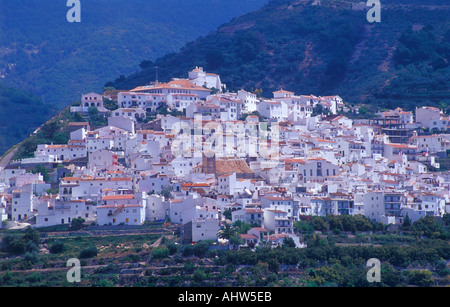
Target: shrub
x=57 y=248
x=88 y=252
x=31 y=257
x=77 y=224
x=160 y=253
x=13 y=245
x=173 y=248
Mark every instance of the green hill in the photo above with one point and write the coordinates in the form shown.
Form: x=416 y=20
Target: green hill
x=42 y=52
x=20 y=114
x=56 y=61
x=326 y=48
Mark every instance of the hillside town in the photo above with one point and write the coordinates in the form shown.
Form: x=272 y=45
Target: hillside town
x=216 y=157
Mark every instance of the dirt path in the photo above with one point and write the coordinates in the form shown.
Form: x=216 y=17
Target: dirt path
x=4 y=162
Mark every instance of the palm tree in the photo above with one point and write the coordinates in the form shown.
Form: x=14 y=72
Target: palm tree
x=227 y=232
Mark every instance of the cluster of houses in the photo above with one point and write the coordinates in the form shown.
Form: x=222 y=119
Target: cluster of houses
x=232 y=157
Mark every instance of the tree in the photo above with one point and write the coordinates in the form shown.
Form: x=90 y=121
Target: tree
x=422 y=278
x=160 y=253
x=49 y=129
x=60 y=138
x=146 y=64
x=274 y=265
x=13 y=245
x=57 y=248
x=406 y=222
x=31 y=257
x=226 y=232
x=319 y=223
x=77 y=224
x=32 y=235
x=289 y=242
x=88 y=252
x=227 y=214
x=214 y=59
x=40 y=169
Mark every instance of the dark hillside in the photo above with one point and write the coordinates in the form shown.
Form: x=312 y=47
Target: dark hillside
x=326 y=49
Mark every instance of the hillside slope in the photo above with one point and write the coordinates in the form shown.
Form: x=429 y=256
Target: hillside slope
x=40 y=51
x=326 y=48
x=20 y=114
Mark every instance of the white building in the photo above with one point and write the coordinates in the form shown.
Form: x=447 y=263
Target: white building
x=125 y=214
x=250 y=101
x=91 y=100
x=317 y=168
x=52 y=211
x=385 y=207
x=146 y=101
x=205 y=229
x=23 y=203
x=228 y=184
x=125 y=209
x=102 y=159
x=176 y=86
x=131 y=113
x=432 y=118
x=273 y=109
x=157 y=209
x=61 y=152
x=278 y=221
x=201 y=78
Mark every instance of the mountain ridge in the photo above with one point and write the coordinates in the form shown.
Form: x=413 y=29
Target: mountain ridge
x=325 y=49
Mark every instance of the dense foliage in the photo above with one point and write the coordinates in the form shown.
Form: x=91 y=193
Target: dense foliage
x=325 y=49
x=20 y=114
x=44 y=53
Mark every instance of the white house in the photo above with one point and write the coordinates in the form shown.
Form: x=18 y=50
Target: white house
x=205 y=229
x=52 y=211
x=385 y=207
x=432 y=118
x=125 y=214
x=153 y=182
x=176 y=86
x=62 y=152
x=278 y=221
x=91 y=100
x=228 y=184
x=103 y=159
x=286 y=204
x=273 y=109
x=250 y=101
x=131 y=113
x=180 y=102
x=201 y=78
x=22 y=203
x=431 y=143
x=249 y=215
x=127 y=209
x=157 y=209
x=317 y=168
x=146 y=101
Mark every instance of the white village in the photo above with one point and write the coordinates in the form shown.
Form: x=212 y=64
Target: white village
x=218 y=157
